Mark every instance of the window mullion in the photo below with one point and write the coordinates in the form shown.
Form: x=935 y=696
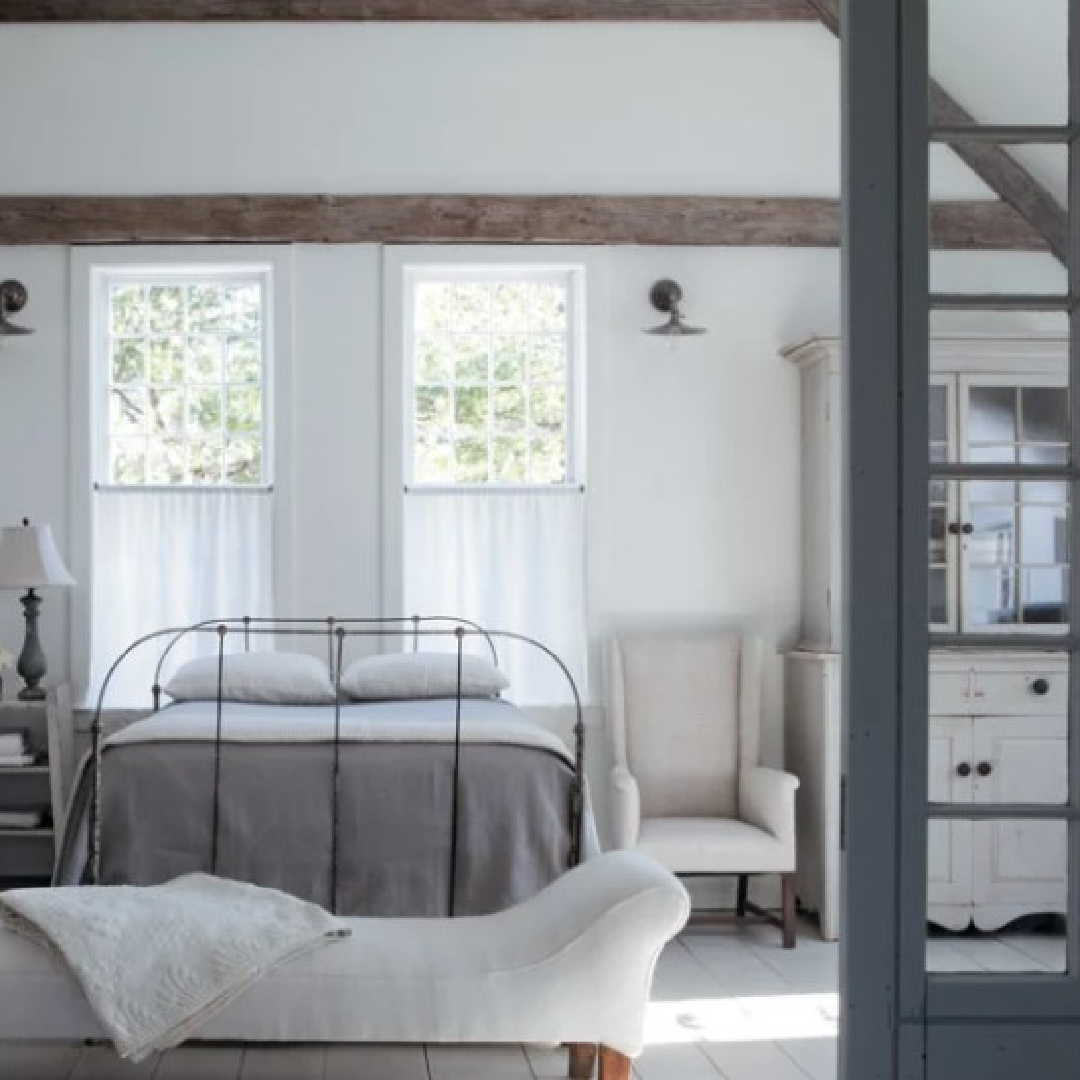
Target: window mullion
x=491 y=383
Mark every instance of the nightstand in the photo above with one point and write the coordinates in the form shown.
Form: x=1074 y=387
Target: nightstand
x=27 y=855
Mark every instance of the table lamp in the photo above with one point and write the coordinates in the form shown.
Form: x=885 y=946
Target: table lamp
x=29 y=560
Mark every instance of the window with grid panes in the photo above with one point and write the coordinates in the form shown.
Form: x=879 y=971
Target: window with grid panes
x=491 y=363
x=186 y=382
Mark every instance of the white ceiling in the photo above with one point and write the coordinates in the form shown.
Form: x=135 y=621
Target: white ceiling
x=1006 y=62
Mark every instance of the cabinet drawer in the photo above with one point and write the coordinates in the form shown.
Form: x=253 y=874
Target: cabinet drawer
x=983 y=691
x=1028 y=692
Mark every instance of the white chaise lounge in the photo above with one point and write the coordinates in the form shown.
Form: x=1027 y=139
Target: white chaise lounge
x=572 y=965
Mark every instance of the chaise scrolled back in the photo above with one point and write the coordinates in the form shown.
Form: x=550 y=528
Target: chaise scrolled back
x=574 y=964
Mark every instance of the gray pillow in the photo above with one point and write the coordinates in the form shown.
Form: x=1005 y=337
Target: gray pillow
x=397 y=676
x=267 y=678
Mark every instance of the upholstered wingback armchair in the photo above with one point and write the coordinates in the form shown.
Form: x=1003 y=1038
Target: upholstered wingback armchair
x=689 y=788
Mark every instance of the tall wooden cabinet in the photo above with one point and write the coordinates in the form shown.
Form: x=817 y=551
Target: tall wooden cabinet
x=997 y=563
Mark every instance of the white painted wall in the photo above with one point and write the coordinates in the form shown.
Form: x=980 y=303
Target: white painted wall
x=646 y=109
x=34 y=450
x=692 y=505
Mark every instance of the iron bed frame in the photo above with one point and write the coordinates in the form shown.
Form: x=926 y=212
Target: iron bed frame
x=336 y=631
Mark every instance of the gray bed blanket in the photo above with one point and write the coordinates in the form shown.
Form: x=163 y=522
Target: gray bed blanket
x=275 y=804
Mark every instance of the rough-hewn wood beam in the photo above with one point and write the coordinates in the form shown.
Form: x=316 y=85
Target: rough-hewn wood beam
x=489 y=219
x=402 y=10
x=1004 y=175
x=995 y=166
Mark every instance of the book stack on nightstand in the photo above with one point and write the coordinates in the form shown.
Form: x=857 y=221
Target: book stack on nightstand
x=33 y=747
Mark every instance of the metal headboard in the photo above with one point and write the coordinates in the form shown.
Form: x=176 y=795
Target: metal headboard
x=336 y=631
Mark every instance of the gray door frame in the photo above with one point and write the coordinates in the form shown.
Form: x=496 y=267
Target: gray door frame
x=896 y=1021
x=885 y=373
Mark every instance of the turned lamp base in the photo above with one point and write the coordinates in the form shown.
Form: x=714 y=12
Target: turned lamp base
x=29 y=560
x=31 y=665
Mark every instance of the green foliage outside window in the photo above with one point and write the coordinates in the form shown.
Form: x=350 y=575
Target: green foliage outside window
x=185 y=384
x=490 y=401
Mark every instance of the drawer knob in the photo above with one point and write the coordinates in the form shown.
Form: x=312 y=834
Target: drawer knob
x=963 y=769
x=1040 y=686
x=984 y=768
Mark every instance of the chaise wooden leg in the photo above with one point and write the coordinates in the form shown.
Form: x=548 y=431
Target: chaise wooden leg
x=582 y=1060
x=744 y=888
x=789 y=910
x=613 y=1065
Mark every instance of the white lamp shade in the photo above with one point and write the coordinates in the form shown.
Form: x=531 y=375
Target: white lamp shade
x=29 y=559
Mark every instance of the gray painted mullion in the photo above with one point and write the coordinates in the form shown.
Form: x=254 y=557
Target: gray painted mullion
x=1027 y=134
x=1007 y=640
x=870 y=1048
x=998 y=811
x=1073 y=729
x=1003 y=471
x=1024 y=302
x=914 y=735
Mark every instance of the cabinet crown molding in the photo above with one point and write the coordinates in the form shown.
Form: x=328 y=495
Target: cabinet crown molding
x=956 y=352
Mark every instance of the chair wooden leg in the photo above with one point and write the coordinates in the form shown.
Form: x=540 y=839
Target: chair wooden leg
x=613 y=1065
x=744 y=888
x=789 y=910
x=582 y=1060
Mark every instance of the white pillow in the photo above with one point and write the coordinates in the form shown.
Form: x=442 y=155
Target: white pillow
x=269 y=678
x=395 y=676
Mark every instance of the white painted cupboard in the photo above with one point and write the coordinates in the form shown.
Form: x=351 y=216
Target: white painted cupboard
x=997 y=563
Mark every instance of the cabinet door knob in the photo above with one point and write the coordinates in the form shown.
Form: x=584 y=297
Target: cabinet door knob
x=963 y=769
x=967 y=528
x=984 y=768
x=1040 y=686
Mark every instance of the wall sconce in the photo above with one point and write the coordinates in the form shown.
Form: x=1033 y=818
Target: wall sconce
x=665 y=296
x=13 y=297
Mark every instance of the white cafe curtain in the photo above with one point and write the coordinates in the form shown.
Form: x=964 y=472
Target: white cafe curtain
x=163 y=559
x=510 y=561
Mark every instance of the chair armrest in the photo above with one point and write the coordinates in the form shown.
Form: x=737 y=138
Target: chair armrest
x=767 y=800
x=625 y=808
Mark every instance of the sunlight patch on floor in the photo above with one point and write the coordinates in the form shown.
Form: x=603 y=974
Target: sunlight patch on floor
x=766 y=1018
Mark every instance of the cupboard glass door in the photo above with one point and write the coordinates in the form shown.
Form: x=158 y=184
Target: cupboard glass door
x=1013 y=533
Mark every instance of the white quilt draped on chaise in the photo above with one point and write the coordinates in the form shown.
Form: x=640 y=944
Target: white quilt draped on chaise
x=156 y=963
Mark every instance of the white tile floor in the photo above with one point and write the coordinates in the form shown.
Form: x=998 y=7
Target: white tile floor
x=728 y=1004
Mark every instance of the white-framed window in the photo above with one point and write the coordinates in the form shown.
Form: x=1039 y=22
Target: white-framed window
x=185 y=387
x=181 y=356
x=492 y=387
x=492 y=376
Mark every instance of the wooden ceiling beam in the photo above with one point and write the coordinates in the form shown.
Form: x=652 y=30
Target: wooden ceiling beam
x=477 y=219
x=404 y=10
x=992 y=164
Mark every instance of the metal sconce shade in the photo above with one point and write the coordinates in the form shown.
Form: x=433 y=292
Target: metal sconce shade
x=665 y=296
x=13 y=297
